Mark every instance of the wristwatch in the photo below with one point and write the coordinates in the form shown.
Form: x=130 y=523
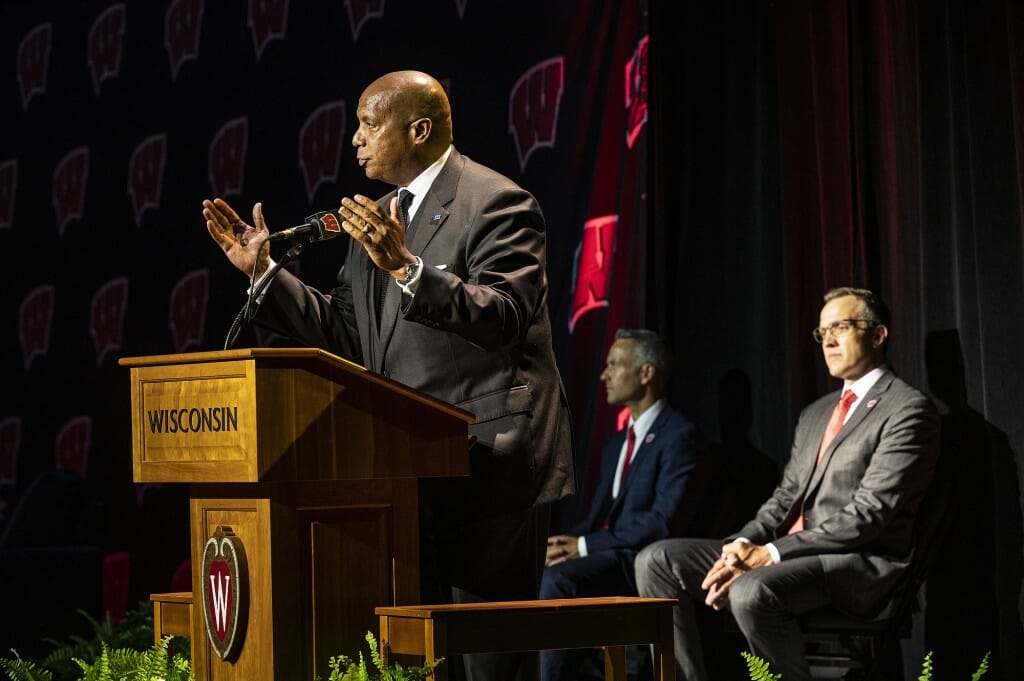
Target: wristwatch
x=412 y=275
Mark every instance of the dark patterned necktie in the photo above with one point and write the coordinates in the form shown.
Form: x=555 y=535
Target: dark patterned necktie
x=405 y=198
x=404 y=202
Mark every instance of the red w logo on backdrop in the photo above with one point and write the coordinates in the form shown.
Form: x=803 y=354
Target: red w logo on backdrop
x=533 y=107
x=636 y=91
x=69 y=179
x=188 y=309
x=8 y=189
x=105 y=39
x=592 y=286
x=227 y=157
x=33 y=58
x=35 y=317
x=10 y=443
x=71 y=448
x=268 y=19
x=146 y=174
x=181 y=32
x=361 y=11
x=320 y=145
x=106 y=318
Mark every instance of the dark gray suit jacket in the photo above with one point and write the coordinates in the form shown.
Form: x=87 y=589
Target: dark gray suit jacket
x=861 y=502
x=476 y=334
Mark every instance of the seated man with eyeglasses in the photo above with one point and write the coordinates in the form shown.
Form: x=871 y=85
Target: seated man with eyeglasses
x=838 y=529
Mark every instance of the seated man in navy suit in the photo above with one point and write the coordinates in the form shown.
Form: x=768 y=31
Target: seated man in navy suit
x=646 y=477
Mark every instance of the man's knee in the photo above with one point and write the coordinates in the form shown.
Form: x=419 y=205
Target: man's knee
x=650 y=565
x=555 y=583
x=749 y=595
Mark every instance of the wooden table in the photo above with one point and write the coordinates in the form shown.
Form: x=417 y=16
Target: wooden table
x=436 y=631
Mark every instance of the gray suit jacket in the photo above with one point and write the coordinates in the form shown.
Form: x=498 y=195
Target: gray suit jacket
x=861 y=502
x=476 y=334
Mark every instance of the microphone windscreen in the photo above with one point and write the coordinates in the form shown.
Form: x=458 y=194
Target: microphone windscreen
x=328 y=223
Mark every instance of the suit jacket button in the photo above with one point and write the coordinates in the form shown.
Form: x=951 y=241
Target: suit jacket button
x=386 y=374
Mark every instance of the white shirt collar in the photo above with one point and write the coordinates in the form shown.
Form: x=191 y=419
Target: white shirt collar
x=641 y=426
x=421 y=184
x=861 y=386
x=644 y=422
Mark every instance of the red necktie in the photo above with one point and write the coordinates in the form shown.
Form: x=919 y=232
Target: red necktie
x=835 y=424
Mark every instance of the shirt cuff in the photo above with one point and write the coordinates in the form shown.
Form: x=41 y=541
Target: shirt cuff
x=776 y=558
x=255 y=284
x=409 y=287
x=581 y=544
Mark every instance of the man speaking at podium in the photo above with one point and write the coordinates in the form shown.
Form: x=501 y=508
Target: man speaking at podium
x=443 y=289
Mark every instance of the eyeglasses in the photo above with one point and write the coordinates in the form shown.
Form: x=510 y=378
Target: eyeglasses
x=840 y=328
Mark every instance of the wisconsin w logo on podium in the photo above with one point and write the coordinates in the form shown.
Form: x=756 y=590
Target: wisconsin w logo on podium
x=225 y=592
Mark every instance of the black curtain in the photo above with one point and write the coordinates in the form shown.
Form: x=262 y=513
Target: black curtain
x=801 y=145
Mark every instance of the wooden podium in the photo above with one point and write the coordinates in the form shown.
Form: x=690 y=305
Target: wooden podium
x=313 y=462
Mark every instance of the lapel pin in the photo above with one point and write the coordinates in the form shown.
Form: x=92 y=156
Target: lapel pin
x=436 y=218
x=649 y=439
x=872 y=403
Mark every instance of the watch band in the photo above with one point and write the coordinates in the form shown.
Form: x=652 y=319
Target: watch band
x=412 y=275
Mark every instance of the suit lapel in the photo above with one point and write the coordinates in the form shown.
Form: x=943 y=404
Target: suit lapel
x=643 y=450
x=863 y=411
x=360 y=277
x=430 y=215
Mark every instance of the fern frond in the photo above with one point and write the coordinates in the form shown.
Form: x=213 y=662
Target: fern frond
x=982 y=668
x=926 y=668
x=20 y=669
x=758 y=668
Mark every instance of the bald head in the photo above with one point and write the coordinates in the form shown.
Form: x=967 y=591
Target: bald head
x=405 y=124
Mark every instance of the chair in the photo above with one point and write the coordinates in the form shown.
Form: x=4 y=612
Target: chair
x=847 y=647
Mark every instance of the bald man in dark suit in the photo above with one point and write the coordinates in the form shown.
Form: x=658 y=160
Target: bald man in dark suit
x=444 y=289
x=839 y=528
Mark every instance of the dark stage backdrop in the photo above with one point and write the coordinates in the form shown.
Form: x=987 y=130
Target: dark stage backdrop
x=119 y=118
x=793 y=146
x=800 y=145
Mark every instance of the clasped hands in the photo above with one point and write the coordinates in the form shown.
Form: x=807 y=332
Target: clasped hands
x=380 y=233
x=561 y=547
x=737 y=558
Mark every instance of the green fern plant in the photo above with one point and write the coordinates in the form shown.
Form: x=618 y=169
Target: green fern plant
x=758 y=668
x=125 y=664
x=982 y=668
x=134 y=631
x=344 y=668
x=926 y=668
x=123 y=651
x=20 y=669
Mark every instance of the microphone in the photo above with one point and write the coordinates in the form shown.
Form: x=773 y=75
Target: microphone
x=319 y=226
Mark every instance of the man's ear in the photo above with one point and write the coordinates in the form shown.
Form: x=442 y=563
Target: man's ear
x=421 y=130
x=879 y=334
x=647 y=372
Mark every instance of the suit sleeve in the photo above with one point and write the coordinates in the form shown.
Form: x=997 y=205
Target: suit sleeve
x=891 y=489
x=503 y=287
x=677 y=460
x=311 y=317
x=761 y=529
